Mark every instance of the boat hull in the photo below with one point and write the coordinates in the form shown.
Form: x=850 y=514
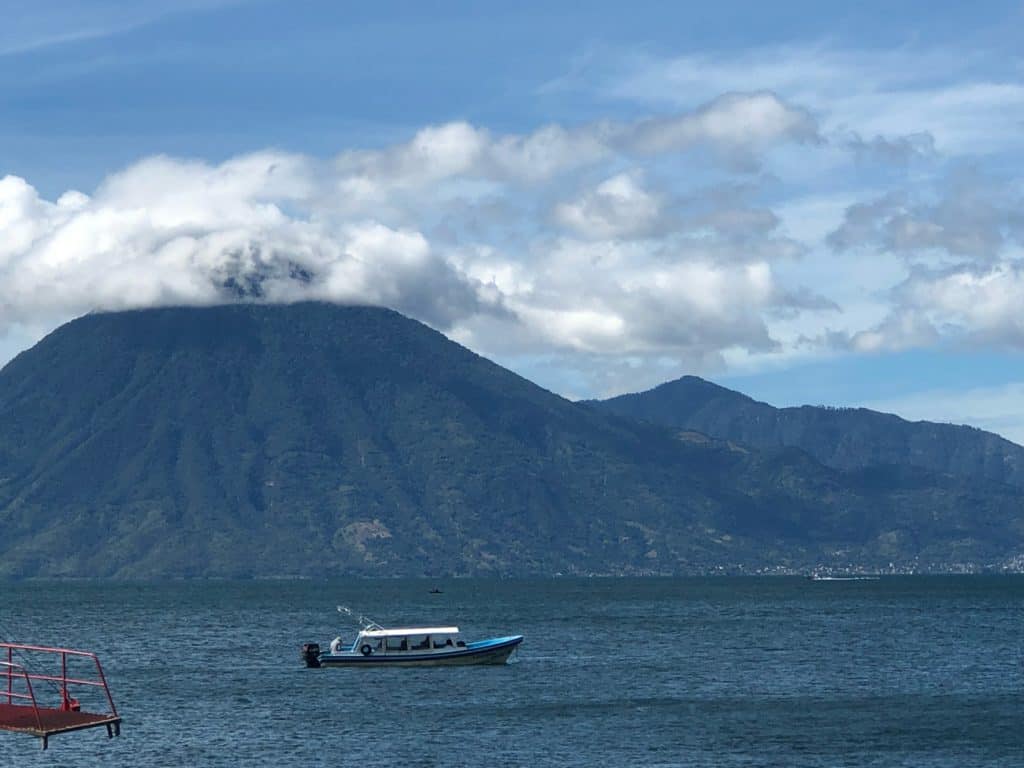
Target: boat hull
x=483 y=652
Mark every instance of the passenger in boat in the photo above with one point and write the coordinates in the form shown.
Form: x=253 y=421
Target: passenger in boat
x=335 y=645
x=425 y=645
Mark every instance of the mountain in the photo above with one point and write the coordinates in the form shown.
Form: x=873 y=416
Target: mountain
x=319 y=440
x=844 y=438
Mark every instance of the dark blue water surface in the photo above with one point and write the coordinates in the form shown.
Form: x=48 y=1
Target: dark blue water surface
x=905 y=671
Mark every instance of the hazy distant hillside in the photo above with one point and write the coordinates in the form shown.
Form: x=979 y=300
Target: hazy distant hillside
x=314 y=439
x=849 y=438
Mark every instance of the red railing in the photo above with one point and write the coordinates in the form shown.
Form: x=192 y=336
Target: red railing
x=29 y=695
x=21 y=672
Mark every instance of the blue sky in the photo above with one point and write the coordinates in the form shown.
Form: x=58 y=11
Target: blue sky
x=811 y=204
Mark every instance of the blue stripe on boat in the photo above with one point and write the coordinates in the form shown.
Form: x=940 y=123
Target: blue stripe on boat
x=473 y=648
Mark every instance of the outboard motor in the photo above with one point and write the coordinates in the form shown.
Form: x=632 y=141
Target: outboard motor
x=311 y=654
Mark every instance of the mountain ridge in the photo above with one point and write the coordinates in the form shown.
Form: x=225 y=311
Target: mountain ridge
x=844 y=438
x=319 y=440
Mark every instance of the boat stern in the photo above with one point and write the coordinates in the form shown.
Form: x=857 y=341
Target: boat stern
x=311 y=655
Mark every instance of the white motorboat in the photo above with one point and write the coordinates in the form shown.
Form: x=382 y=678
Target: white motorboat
x=377 y=646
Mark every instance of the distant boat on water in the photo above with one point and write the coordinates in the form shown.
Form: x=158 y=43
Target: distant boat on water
x=826 y=577
x=436 y=591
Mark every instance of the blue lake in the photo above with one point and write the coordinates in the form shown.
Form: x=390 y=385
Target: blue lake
x=904 y=671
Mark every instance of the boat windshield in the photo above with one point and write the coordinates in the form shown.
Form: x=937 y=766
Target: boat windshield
x=398 y=643
x=412 y=639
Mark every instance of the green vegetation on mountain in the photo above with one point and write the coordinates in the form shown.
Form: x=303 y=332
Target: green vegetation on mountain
x=320 y=440
x=844 y=438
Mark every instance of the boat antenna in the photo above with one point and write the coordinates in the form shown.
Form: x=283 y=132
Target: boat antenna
x=363 y=621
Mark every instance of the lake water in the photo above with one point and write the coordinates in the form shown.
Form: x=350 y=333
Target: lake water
x=905 y=671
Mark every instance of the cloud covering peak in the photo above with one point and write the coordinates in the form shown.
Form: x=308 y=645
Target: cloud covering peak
x=625 y=251
x=545 y=242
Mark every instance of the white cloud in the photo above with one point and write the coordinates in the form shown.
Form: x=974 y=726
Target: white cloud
x=965 y=216
x=453 y=227
x=173 y=232
x=550 y=150
x=894 y=150
x=899 y=331
x=734 y=209
x=591 y=244
x=965 y=101
x=960 y=239
x=734 y=121
x=736 y=124
x=986 y=303
x=963 y=305
x=617 y=207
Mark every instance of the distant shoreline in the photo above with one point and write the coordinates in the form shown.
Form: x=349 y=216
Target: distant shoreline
x=430 y=580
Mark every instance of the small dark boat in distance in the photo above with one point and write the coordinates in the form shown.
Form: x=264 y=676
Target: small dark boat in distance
x=436 y=591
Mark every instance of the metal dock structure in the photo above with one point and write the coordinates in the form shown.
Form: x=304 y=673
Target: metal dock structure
x=21 y=711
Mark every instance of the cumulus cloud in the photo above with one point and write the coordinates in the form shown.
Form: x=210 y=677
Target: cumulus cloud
x=960 y=240
x=929 y=255
x=735 y=124
x=737 y=121
x=964 y=305
x=970 y=216
x=651 y=306
x=724 y=220
x=975 y=106
x=617 y=207
x=550 y=242
x=902 y=329
x=897 y=150
x=984 y=304
x=176 y=232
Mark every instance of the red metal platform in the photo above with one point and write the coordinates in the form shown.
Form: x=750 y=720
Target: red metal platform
x=22 y=712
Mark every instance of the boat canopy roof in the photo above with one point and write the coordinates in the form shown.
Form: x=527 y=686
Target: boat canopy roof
x=403 y=632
